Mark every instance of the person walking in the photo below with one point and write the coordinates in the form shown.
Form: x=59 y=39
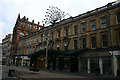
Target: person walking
x=118 y=74
x=97 y=70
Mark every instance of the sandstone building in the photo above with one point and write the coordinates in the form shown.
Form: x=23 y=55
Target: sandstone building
x=6 y=48
x=22 y=27
x=78 y=44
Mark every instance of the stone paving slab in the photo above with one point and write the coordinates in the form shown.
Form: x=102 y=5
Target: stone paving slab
x=24 y=74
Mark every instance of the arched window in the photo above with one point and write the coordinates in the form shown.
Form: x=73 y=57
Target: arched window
x=21 y=34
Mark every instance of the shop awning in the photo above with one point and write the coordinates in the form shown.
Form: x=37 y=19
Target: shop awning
x=56 y=52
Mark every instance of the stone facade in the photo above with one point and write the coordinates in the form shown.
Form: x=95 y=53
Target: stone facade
x=22 y=27
x=95 y=33
x=6 y=47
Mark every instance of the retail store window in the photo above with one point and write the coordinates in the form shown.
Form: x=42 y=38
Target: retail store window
x=83 y=65
x=107 y=69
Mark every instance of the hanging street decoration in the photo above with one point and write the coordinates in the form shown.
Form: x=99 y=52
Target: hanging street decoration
x=53 y=15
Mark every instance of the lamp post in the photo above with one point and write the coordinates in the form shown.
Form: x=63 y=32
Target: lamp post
x=46 y=55
x=114 y=60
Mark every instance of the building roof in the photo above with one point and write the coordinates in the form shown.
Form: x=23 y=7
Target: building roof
x=107 y=7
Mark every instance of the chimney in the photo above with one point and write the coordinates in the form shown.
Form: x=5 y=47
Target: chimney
x=27 y=19
x=19 y=16
x=32 y=21
x=24 y=17
x=43 y=25
x=38 y=23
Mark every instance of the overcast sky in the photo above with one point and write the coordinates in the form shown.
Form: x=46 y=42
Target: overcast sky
x=35 y=9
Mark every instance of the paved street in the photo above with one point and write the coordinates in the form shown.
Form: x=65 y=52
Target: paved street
x=24 y=73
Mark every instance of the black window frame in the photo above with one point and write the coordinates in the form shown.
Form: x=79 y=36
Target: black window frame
x=84 y=45
x=46 y=36
x=83 y=27
x=66 y=31
x=93 y=25
x=75 y=44
x=103 y=21
x=52 y=35
x=75 y=29
x=104 y=40
x=58 y=34
x=118 y=18
x=66 y=46
x=41 y=37
x=93 y=42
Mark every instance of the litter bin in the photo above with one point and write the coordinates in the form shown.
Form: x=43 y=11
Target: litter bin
x=11 y=72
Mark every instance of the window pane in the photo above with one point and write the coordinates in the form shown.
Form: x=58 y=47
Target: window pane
x=24 y=24
x=37 y=39
x=34 y=39
x=41 y=37
x=29 y=25
x=46 y=35
x=93 y=40
x=52 y=35
x=83 y=27
x=21 y=34
x=75 y=44
x=103 y=22
x=118 y=18
x=66 y=32
x=84 y=43
x=58 y=34
x=21 y=23
x=75 y=29
x=93 y=25
x=104 y=40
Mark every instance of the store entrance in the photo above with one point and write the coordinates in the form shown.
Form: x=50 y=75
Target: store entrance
x=94 y=64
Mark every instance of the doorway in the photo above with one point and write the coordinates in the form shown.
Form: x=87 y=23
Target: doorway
x=94 y=63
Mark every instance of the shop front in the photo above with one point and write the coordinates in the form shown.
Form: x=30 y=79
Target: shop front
x=25 y=61
x=22 y=60
x=95 y=63
x=37 y=59
x=63 y=60
x=18 y=60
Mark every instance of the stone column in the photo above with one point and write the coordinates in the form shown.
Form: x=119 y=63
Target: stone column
x=101 y=66
x=115 y=65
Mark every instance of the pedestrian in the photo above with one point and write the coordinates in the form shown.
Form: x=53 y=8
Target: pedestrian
x=9 y=63
x=97 y=70
x=118 y=74
x=26 y=64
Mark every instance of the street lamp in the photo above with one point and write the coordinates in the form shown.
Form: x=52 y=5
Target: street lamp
x=46 y=64
x=114 y=63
